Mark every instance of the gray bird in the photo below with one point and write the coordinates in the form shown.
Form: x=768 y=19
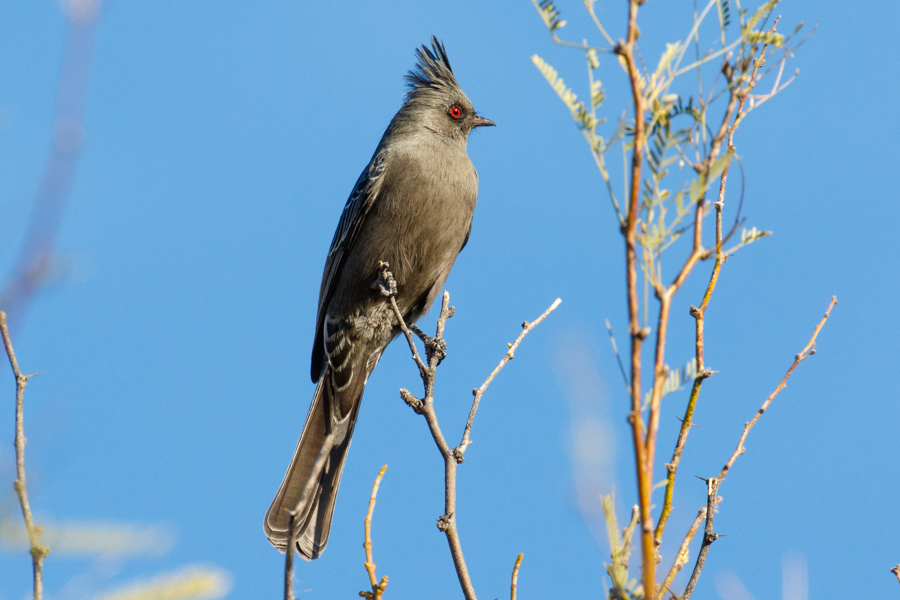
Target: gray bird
x=412 y=208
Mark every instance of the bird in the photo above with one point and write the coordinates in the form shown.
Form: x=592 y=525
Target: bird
x=411 y=208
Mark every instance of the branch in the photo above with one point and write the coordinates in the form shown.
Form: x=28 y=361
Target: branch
x=682 y=556
x=308 y=487
x=435 y=352
x=626 y=51
x=510 y=354
x=515 y=578
x=377 y=587
x=38 y=550
x=738 y=97
x=36 y=258
x=807 y=351
x=712 y=486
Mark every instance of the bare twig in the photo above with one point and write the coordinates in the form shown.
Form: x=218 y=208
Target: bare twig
x=38 y=550
x=479 y=391
x=435 y=352
x=682 y=556
x=377 y=587
x=712 y=486
x=807 y=351
x=308 y=488
x=515 y=578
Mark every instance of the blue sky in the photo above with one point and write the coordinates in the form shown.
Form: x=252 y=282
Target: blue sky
x=220 y=143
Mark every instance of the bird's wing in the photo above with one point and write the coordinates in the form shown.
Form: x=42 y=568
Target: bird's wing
x=358 y=205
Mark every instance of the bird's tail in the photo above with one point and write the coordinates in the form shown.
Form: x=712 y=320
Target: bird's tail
x=313 y=519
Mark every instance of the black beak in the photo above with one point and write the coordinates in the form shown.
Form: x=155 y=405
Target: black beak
x=480 y=121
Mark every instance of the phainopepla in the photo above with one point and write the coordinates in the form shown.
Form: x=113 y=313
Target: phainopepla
x=412 y=208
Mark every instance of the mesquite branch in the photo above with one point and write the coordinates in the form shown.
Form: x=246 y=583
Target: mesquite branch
x=435 y=352
x=38 y=550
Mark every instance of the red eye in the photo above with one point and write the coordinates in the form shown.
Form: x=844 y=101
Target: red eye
x=455 y=111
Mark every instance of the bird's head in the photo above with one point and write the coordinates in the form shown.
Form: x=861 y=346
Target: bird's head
x=434 y=100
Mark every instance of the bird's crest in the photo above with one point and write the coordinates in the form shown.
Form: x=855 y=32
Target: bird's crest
x=432 y=70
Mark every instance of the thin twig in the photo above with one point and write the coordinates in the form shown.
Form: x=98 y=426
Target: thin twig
x=807 y=351
x=681 y=557
x=377 y=587
x=435 y=352
x=612 y=340
x=38 y=550
x=712 y=486
x=515 y=578
x=510 y=354
x=308 y=487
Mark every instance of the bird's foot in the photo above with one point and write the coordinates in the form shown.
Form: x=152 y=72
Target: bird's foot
x=385 y=282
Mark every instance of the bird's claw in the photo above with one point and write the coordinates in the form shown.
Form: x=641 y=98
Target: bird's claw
x=385 y=282
x=435 y=347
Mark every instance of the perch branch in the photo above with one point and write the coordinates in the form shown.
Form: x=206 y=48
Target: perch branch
x=38 y=550
x=435 y=352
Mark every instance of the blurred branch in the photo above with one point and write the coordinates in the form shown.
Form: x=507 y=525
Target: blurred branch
x=38 y=551
x=435 y=348
x=377 y=587
x=36 y=258
x=308 y=487
x=682 y=556
x=194 y=582
x=515 y=578
x=712 y=486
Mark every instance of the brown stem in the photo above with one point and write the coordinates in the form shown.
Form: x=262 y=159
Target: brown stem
x=377 y=587
x=38 y=550
x=644 y=469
